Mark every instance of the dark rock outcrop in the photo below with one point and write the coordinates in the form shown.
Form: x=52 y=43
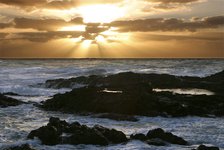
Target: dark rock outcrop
x=165 y=136
x=213 y=83
x=7 y=101
x=21 y=147
x=203 y=147
x=159 y=137
x=49 y=135
x=139 y=136
x=131 y=94
x=61 y=132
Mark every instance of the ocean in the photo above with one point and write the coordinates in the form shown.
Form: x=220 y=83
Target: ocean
x=21 y=76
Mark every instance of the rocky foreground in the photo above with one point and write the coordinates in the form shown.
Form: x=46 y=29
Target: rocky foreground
x=61 y=132
x=132 y=94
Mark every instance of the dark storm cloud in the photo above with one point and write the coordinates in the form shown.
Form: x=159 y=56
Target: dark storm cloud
x=50 y=26
x=173 y=24
x=40 y=3
x=141 y=25
x=55 y=4
x=204 y=36
x=5 y=25
x=173 y=1
x=44 y=24
x=92 y=30
x=40 y=36
x=168 y=4
x=23 y=2
x=3 y=35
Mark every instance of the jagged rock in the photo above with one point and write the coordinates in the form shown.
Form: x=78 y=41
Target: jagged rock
x=52 y=134
x=49 y=135
x=159 y=137
x=213 y=82
x=86 y=135
x=112 y=135
x=165 y=136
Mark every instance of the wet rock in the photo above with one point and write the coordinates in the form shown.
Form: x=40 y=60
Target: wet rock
x=86 y=135
x=218 y=77
x=213 y=82
x=135 y=96
x=165 y=136
x=61 y=132
x=49 y=135
x=112 y=135
x=7 y=101
x=93 y=99
x=156 y=142
x=203 y=147
x=139 y=136
x=21 y=147
x=118 y=117
x=159 y=137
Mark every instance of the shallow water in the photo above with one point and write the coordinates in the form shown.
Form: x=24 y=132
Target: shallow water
x=186 y=91
x=16 y=122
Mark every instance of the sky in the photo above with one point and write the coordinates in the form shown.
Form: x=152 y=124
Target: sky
x=111 y=28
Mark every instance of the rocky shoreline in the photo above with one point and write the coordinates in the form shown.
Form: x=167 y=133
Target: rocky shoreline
x=122 y=97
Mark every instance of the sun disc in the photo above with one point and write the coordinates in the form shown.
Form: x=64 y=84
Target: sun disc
x=100 y=13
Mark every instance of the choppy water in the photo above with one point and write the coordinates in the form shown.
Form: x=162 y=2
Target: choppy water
x=17 y=76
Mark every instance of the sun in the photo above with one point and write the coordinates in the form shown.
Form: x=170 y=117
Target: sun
x=100 y=13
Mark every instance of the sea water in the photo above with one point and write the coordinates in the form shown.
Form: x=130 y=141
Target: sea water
x=20 y=76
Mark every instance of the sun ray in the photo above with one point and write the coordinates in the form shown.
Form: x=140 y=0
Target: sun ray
x=73 y=28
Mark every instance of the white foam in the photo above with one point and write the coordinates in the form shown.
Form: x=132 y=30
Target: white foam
x=110 y=91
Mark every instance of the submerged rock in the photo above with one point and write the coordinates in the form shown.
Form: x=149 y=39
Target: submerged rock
x=139 y=136
x=7 y=101
x=117 y=117
x=203 y=147
x=61 y=132
x=11 y=94
x=21 y=147
x=156 y=142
